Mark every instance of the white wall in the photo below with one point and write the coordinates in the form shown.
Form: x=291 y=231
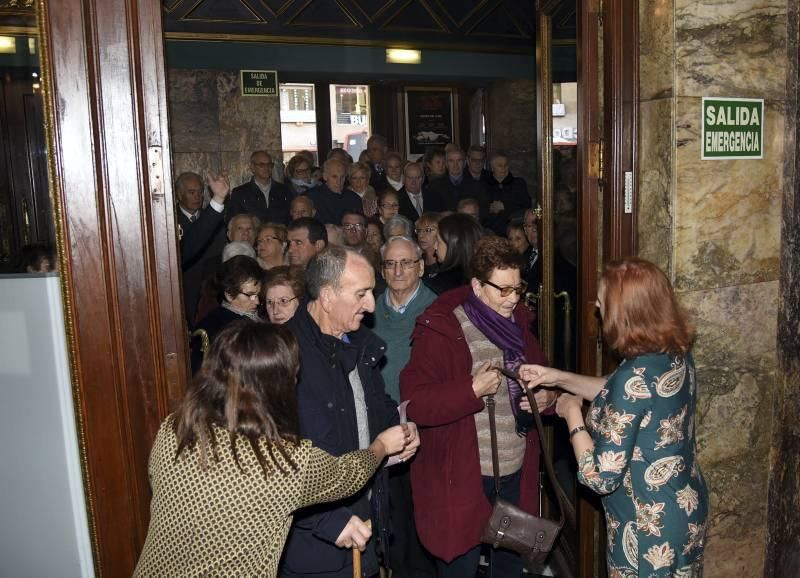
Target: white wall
x=43 y=524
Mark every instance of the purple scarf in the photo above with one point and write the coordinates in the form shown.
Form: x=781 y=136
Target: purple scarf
x=505 y=334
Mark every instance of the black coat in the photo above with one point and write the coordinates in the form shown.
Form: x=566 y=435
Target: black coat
x=201 y=241
x=442 y=195
x=328 y=418
x=407 y=208
x=248 y=198
x=513 y=193
x=213 y=324
x=331 y=206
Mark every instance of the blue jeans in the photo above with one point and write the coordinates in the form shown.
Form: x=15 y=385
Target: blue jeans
x=505 y=564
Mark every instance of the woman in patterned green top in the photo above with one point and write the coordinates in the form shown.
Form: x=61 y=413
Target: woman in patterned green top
x=228 y=468
x=638 y=446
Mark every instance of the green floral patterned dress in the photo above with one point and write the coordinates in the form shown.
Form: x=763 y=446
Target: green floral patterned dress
x=644 y=464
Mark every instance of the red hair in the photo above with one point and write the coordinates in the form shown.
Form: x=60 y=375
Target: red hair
x=640 y=311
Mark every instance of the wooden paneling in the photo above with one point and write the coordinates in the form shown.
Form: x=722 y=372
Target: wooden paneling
x=104 y=63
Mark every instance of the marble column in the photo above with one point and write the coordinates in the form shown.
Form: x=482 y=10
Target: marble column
x=213 y=127
x=715 y=227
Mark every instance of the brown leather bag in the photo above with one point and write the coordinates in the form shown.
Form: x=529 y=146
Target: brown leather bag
x=509 y=526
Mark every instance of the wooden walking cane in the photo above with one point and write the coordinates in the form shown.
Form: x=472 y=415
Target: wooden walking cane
x=357 y=555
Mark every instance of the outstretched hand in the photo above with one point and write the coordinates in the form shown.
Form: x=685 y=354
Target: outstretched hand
x=539 y=375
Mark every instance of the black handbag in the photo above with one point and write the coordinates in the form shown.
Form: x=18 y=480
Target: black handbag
x=509 y=526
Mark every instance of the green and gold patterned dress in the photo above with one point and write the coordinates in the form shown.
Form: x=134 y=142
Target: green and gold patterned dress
x=644 y=464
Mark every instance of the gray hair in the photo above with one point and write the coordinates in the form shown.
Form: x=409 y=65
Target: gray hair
x=398 y=221
x=235 y=248
x=407 y=239
x=325 y=269
x=253 y=219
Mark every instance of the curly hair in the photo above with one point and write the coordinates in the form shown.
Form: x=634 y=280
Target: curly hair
x=492 y=253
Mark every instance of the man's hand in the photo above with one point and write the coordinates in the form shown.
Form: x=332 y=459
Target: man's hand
x=496 y=207
x=355 y=534
x=219 y=185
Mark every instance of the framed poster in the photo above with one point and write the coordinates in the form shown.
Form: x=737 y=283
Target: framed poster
x=429 y=119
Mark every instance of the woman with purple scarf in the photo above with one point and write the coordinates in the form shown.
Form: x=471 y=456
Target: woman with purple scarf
x=458 y=344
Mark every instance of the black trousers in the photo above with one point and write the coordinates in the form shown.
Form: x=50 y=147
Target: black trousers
x=407 y=557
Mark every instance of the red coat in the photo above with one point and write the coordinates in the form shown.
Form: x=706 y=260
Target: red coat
x=450 y=508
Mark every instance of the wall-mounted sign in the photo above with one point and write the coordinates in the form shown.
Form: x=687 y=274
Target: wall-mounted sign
x=429 y=119
x=733 y=128
x=259 y=82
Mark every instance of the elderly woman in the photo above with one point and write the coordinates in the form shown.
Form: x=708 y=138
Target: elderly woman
x=398 y=226
x=298 y=175
x=456 y=238
x=271 y=245
x=281 y=292
x=358 y=177
x=388 y=205
x=458 y=343
x=638 y=449
x=238 y=282
x=228 y=468
x=426 y=229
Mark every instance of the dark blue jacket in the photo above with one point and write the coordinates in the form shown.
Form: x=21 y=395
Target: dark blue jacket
x=328 y=418
x=248 y=198
x=331 y=206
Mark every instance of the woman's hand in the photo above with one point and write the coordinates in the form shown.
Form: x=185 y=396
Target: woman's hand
x=485 y=381
x=536 y=375
x=568 y=404
x=393 y=440
x=544 y=399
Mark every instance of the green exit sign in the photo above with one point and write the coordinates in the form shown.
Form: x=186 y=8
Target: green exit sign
x=259 y=82
x=733 y=128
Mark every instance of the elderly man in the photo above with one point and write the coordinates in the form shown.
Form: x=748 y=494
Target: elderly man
x=261 y=196
x=200 y=230
x=411 y=197
x=530 y=274
x=394 y=170
x=443 y=193
x=396 y=312
x=508 y=195
x=306 y=237
x=330 y=199
x=301 y=206
x=476 y=163
x=342 y=406
x=376 y=152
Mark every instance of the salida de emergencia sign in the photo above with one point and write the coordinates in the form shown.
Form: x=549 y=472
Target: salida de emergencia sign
x=733 y=128
x=259 y=82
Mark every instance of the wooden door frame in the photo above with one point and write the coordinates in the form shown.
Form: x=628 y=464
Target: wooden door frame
x=110 y=177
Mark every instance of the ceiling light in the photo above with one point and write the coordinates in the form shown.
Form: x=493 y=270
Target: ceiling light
x=403 y=56
x=8 y=45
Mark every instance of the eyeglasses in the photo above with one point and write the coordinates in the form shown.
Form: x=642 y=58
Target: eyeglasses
x=529 y=226
x=268 y=238
x=426 y=230
x=404 y=263
x=249 y=295
x=302 y=171
x=262 y=165
x=353 y=226
x=282 y=302
x=506 y=291
x=390 y=205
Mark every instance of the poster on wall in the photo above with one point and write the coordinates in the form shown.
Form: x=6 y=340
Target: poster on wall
x=429 y=119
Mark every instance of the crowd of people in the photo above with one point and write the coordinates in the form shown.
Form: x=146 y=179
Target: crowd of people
x=339 y=323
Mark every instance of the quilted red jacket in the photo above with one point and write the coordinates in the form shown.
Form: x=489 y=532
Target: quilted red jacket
x=450 y=508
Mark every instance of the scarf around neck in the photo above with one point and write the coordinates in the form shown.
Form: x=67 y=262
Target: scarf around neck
x=505 y=334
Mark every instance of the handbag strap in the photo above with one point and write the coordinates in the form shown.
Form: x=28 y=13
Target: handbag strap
x=566 y=507
x=493 y=432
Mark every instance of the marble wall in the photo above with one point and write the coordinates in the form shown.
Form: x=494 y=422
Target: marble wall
x=511 y=122
x=715 y=227
x=213 y=127
x=783 y=553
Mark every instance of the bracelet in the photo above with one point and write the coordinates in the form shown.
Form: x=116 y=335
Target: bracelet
x=580 y=428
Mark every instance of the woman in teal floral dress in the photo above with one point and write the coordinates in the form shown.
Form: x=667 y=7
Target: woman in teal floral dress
x=638 y=447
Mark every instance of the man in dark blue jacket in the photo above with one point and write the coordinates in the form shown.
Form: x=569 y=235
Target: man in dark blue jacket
x=262 y=195
x=342 y=406
x=331 y=199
